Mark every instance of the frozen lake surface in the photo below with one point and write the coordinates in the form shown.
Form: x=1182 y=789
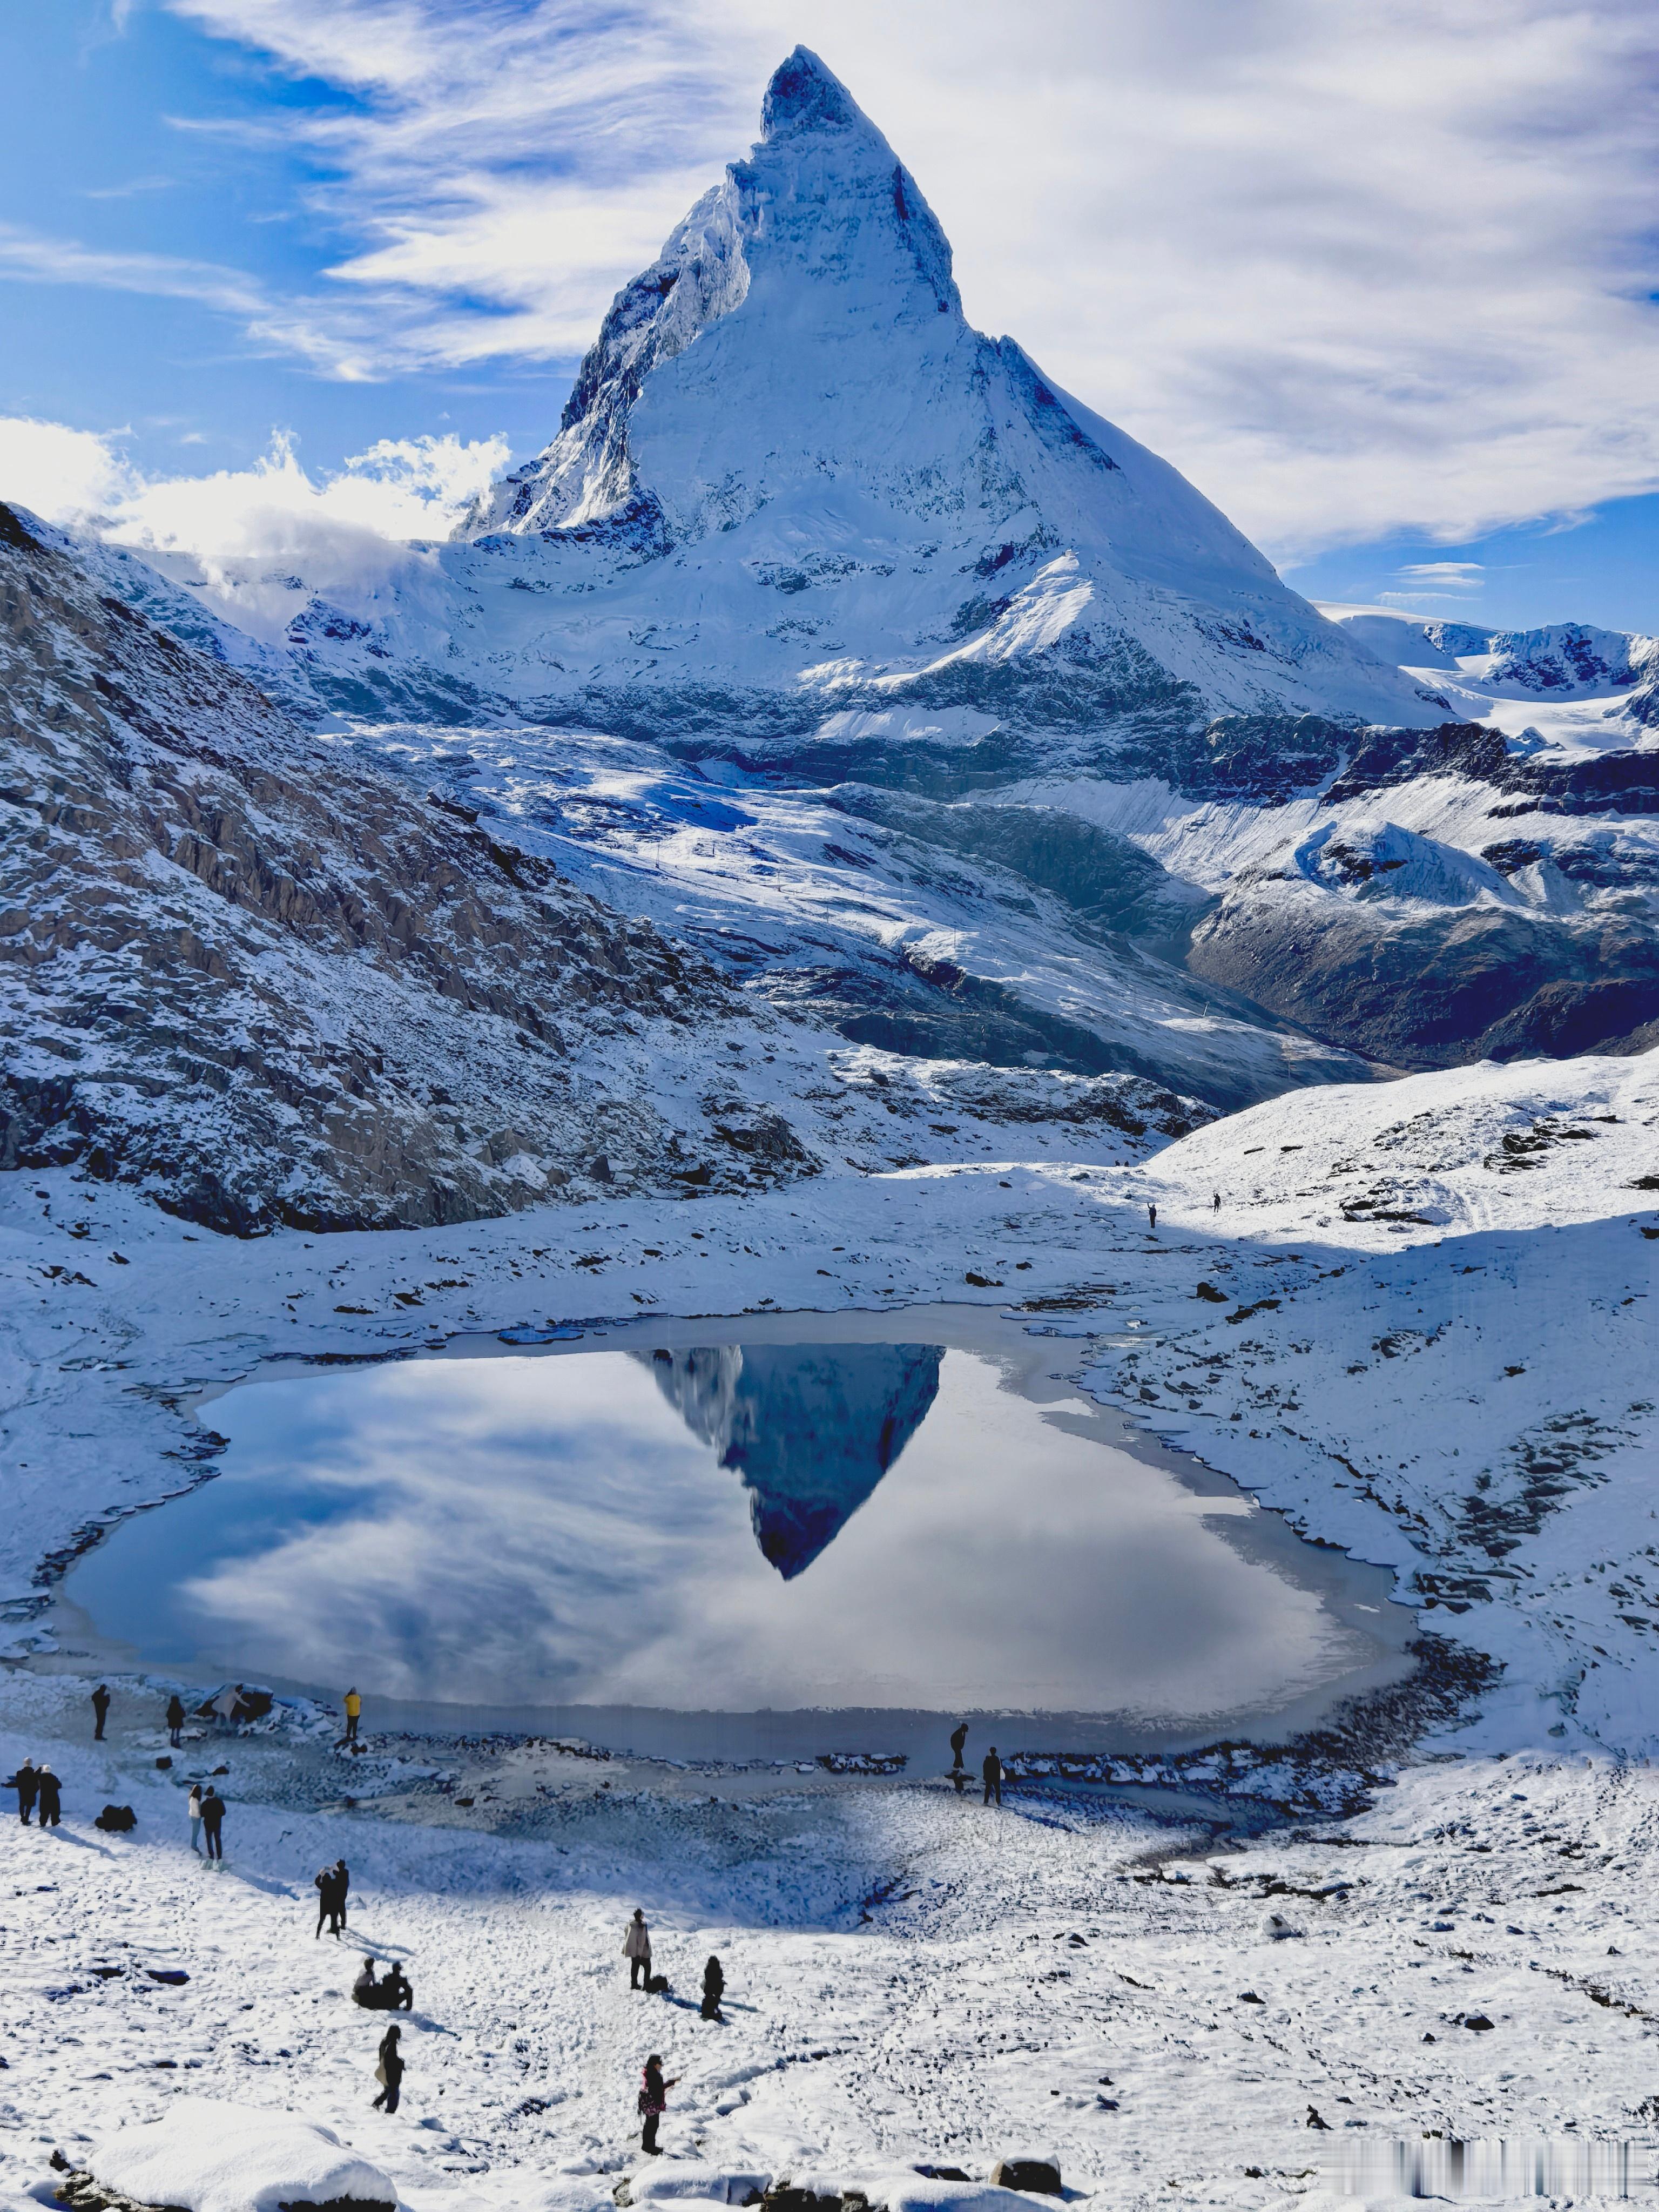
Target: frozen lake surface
x=773 y=1535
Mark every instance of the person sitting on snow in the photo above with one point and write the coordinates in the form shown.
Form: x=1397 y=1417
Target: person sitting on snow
x=366 y=1990
x=397 y=1990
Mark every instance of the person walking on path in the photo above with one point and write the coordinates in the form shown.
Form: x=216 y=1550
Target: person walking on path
x=653 y=2102
x=329 y=1902
x=193 y=1807
x=636 y=1949
x=991 y=1770
x=713 y=1989
x=26 y=1782
x=390 y=2071
x=354 y=1712
x=175 y=1718
x=101 y=1710
x=51 y=1801
x=213 y=1821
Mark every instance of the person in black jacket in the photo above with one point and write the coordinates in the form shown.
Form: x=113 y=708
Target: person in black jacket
x=390 y=2071
x=175 y=1718
x=26 y=1782
x=991 y=1770
x=329 y=1902
x=51 y=1800
x=713 y=1989
x=213 y=1821
x=101 y=1710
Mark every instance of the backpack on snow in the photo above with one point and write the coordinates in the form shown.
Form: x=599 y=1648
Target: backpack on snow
x=656 y=1985
x=116 y=1819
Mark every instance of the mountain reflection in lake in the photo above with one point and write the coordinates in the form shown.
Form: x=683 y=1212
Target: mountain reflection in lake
x=722 y=1529
x=812 y=1427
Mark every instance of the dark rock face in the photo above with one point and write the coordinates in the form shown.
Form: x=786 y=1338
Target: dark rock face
x=1602 y=783
x=811 y=1428
x=1265 y=758
x=1440 y=988
x=1103 y=878
x=272 y=986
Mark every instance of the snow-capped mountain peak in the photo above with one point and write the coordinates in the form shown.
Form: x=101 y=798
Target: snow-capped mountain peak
x=791 y=398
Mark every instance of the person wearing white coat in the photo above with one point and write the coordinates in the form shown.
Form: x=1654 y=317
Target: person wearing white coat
x=636 y=1949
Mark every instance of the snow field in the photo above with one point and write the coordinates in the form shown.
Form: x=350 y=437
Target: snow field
x=1008 y=1962
x=958 y=2023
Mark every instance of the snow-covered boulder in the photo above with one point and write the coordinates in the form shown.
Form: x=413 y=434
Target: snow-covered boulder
x=909 y=2191
x=677 y=2180
x=209 y=2156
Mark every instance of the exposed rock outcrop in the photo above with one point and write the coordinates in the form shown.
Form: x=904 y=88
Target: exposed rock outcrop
x=270 y=983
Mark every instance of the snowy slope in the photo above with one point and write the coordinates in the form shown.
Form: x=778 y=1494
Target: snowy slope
x=266 y=981
x=1434 y=1347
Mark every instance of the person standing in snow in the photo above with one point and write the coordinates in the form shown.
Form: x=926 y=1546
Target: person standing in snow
x=1215 y=1201
x=52 y=1802
x=991 y=1770
x=390 y=2071
x=1151 y=1216
x=713 y=1989
x=958 y=1739
x=329 y=1902
x=101 y=1710
x=175 y=1718
x=193 y=1807
x=26 y=1782
x=342 y=1883
x=226 y=1703
x=354 y=1712
x=213 y=1821
x=653 y=2102
x=636 y=1949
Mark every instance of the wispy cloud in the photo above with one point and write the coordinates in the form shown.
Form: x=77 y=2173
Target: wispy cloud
x=128 y=191
x=1451 y=576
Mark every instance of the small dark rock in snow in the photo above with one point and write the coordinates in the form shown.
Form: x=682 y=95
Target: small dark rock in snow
x=1477 y=2020
x=1039 y=2176
x=1209 y=1291
x=981 y=1282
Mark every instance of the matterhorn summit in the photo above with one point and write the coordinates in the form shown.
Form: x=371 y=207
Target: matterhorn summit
x=795 y=495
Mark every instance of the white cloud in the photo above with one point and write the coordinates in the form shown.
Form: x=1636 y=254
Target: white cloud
x=348 y=529
x=60 y=472
x=1355 y=270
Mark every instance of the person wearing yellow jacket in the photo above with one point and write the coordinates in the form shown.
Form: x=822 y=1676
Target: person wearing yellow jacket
x=354 y=1713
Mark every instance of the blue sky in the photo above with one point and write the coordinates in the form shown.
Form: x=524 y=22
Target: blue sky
x=1382 y=282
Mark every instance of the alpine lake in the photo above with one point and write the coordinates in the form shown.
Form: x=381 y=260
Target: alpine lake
x=772 y=1536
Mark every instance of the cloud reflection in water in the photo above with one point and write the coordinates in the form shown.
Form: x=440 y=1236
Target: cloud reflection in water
x=559 y=1531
